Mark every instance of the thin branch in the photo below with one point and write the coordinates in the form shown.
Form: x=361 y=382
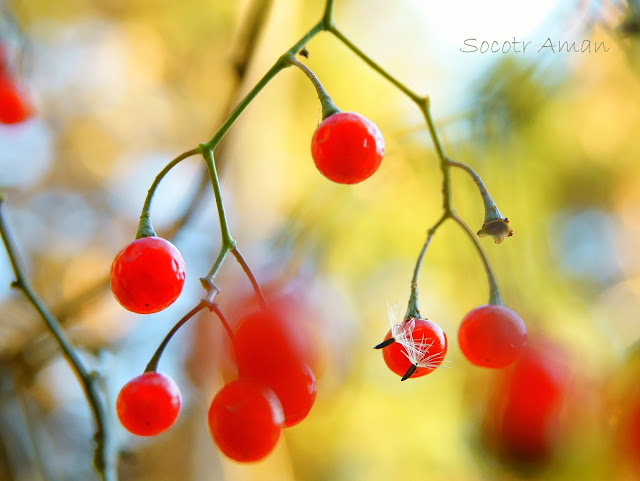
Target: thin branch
x=412 y=307
x=104 y=466
x=494 y=293
x=247 y=270
x=152 y=366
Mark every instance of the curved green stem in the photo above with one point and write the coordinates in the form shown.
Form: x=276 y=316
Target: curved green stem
x=145 y=229
x=369 y=61
x=494 y=293
x=152 y=366
x=328 y=107
x=215 y=308
x=102 y=461
x=228 y=242
x=247 y=270
x=491 y=212
x=412 y=309
x=280 y=64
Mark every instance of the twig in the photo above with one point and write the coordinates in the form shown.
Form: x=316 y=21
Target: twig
x=104 y=466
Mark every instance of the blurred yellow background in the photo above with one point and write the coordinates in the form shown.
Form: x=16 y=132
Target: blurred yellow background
x=121 y=88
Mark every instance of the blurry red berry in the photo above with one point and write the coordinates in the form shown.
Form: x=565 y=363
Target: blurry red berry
x=14 y=107
x=492 y=336
x=347 y=148
x=418 y=342
x=147 y=275
x=148 y=404
x=245 y=420
x=267 y=351
x=524 y=418
x=627 y=408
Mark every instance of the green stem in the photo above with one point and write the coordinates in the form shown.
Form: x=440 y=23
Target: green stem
x=494 y=293
x=327 y=17
x=369 y=61
x=328 y=107
x=228 y=242
x=491 y=212
x=103 y=463
x=215 y=308
x=444 y=166
x=145 y=229
x=280 y=64
x=412 y=309
x=152 y=366
x=247 y=270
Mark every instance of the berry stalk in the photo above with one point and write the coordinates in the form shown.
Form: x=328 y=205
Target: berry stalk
x=494 y=293
x=152 y=366
x=145 y=229
x=494 y=224
x=328 y=107
x=412 y=308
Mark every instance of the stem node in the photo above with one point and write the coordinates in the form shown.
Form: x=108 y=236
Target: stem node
x=211 y=291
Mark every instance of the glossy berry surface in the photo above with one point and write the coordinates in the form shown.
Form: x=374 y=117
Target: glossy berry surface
x=147 y=275
x=418 y=342
x=14 y=107
x=148 y=404
x=270 y=352
x=492 y=336
x=347 y=148
x=245 y=420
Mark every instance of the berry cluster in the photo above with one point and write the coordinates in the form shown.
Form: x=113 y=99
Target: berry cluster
x=14 y=107
x=275 y=388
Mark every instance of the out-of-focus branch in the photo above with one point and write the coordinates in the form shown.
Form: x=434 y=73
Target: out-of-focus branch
x=104 y=465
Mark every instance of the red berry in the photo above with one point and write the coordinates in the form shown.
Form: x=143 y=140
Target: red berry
x=13 y=106
x=148 y=404
x=418 y=342
x=245 y=420
x=492 y=336
x=629 y=432
x=268 y=352
x=147 y=275
x=525 y=417
x=347 y=148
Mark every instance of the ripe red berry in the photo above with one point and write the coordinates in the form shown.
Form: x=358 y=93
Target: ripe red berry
x=14 y=107
x=419 y=343
x=629 y=432
x=492 y=336
x=347 y=148
x=245 y=420
x=148 y=404
x=525 y=421
x=268 y=352
x=147 y=275
x=625 y=397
